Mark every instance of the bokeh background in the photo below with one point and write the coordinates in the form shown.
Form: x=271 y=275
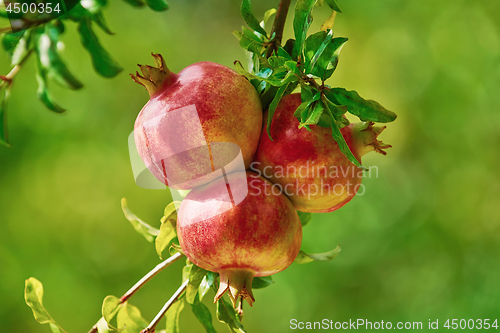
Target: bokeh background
x=422 y=243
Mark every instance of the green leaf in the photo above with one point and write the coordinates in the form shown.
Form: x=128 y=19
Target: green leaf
x=103 y=63
x=225 y=314
x=33 y=295
x=322 y=54
x=172 y=316
x=337 y=135
x=305 y=218
x=144 y=229
x=250 y=42
x=110 y=307
x=307 y=99
x=206 y=283
x=135 y=3
x=267 y=15
x=98 y=18
x=196 y=275
x=4 y=134
x=272 y=107
x=333 y=5
x=17 y=45
x=314 y=47
x=271 y=79
x=203 y=315
x=43 y=89
x=250 y=19
x=304 y=258
x=130 y=320
x=312 y=118
x=168 y=230
x=260 y=282
x=301 y=23
x=283 y=53
x=366 y=110
x=157 y=5
x=49 y=57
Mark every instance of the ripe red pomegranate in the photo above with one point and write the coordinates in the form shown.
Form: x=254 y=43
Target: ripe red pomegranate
x=239 y=236
x=309 y=166
x=179 y=132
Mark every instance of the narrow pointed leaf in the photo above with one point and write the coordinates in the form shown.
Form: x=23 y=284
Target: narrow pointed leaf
x=50 y=59
x=333 y=5
x=203 y=315
x=144 y=229
x=337 y=136
x=172 y=316
x=43 y=89
x=250 y=19
x=103 y=63
x=135 y=3
x=206 y=283
x=4 y=134
x=366 y=110
x=262 y=282
x=315 y=113
x=301 y=23
x=272 y=107
x=267 y=15
x=225 y=314
x=304 y=258
x=196 y=275
x=157 y=5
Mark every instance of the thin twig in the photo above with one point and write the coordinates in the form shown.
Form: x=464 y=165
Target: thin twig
x=5 y=29
x=152 y=326
x=144 y=280
x=278 y=26
x=150 y=275
x=7 y=79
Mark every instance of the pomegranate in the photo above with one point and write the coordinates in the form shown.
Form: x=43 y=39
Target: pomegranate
x=309 y=167
x=181 y=131
x=239 y=229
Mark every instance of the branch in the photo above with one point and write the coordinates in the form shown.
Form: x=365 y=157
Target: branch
x=5 y=29
x=144 y=280
x=278 y=26
x=152 y=326
x=7 y=79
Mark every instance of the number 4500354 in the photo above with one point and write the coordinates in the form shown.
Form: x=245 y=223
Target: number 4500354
x=471 y=324
x=32 y=8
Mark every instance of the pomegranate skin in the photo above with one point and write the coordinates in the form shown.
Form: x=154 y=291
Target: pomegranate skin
x=309 y=166
x=228 y=109
x=260 y=236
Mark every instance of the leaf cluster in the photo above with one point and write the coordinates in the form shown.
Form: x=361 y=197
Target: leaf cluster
x=302 y=62
x=41 y=36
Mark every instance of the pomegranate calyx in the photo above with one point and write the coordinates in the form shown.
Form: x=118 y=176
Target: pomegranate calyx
x=153 y=78
x=238 y=283
x=365 y=136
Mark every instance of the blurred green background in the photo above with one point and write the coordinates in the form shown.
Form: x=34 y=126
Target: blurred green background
x=422 y=243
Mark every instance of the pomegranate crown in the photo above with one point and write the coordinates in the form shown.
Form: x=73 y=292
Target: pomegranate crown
x=153 y=78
